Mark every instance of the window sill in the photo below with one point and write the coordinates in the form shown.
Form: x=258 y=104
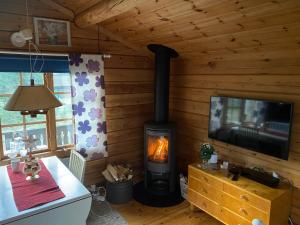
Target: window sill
x=61 y=152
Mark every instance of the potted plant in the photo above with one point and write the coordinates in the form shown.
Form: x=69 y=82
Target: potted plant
x=206 y=152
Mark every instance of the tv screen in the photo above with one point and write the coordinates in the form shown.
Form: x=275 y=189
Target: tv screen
x=262 y=126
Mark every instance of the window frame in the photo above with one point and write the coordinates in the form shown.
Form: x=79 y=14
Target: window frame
x=53 y=147
x=230 y=108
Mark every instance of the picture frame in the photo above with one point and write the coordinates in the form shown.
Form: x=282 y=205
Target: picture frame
x=51 y=32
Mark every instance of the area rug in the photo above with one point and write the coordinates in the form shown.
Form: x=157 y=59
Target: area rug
x=102 y=214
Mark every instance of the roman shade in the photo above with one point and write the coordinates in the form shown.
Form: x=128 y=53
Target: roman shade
x=20 y=63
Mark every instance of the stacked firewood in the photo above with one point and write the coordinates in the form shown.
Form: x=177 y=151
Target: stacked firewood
x=117 y=173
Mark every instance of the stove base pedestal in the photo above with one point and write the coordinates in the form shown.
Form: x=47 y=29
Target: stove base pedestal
x=145 y=197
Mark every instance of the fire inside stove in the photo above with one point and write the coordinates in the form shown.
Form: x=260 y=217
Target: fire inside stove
x=158 y=147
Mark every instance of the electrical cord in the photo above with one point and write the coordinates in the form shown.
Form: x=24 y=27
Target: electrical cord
x=282 y=179
x=37 y=50
x=27 y=13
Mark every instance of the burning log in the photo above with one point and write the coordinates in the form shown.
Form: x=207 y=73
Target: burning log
x=117 y=173
x=158 y=149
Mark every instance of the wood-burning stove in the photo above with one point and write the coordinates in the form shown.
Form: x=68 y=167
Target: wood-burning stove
x=159 y=135
x=160 y=187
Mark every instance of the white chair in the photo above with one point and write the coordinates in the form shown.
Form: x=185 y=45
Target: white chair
x=77 y=165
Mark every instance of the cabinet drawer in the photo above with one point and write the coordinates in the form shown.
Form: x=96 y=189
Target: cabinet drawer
x=203 y=203
x=231 y=218
x=204 y=189
x=248 y=198
x=243 y=209
x=205 y=178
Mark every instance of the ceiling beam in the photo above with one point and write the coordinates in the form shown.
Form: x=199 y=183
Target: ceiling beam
x=59 y=8
x=104 y=10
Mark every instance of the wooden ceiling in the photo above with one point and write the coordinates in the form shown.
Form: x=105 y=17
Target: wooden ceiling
x=178 y=20
x=77 y=6
x=209 y=26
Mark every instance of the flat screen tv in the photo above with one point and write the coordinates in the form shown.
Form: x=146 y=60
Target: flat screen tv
x=259 y=125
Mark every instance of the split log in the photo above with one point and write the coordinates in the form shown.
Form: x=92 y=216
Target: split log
x=113 y=172
x=107 y=176
x=117 y=173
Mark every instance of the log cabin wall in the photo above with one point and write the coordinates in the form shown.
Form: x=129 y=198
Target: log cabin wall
x=192 y=85
x=245 y=48
x=252 y=62
x=128 y=80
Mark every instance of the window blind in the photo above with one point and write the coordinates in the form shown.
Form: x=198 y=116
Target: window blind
x=21 y=63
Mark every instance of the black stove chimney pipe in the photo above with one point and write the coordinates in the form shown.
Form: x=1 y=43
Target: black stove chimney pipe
x=163 y=55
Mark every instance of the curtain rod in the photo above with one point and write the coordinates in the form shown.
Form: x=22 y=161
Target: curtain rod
x=106 y=56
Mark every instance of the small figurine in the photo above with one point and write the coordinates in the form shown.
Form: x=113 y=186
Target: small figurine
x=31 y=168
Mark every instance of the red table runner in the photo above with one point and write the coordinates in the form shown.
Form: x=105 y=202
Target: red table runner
x=28 y=194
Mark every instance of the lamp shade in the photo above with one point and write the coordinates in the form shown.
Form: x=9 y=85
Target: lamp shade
x=32 y=100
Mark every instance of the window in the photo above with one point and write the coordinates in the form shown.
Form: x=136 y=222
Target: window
x=233 y=110
x=64 y=116
x=58 y=122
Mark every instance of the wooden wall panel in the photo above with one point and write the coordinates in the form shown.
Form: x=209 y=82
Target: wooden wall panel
x=13 y=18
x=194 y=80
x=245 y=48
x=128 y=80
x=248 y=48
x=129 y=102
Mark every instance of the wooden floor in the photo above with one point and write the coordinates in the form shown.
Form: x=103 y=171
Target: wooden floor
x=138 y=214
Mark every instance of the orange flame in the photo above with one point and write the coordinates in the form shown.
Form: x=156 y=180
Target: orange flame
x=158 y=149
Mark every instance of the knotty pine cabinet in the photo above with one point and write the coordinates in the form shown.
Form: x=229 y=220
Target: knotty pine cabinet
x=237 y=202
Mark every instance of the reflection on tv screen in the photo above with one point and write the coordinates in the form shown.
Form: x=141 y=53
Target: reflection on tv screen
x=263 y=126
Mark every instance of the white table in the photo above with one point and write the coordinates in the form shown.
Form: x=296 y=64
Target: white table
x=73 y=209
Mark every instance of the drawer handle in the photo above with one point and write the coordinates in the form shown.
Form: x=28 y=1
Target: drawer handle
x=243 y=211
x=204 y=205
x=205 y=179
x=204 y=190
x=244 y=197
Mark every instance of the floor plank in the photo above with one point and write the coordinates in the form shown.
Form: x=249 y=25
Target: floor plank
x=138 y=214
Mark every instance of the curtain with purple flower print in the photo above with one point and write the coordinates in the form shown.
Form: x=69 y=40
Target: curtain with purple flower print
x=88 y=104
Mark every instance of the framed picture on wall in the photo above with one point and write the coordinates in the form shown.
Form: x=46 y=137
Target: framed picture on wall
x=52 y=32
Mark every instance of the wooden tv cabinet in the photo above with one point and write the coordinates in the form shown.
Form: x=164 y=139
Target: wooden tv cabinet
x=237 y=202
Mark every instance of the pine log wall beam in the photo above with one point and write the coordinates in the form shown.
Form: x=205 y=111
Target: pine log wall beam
x=103 y=11
x=59 y=8
x=69 y=13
